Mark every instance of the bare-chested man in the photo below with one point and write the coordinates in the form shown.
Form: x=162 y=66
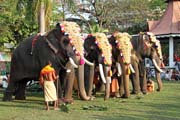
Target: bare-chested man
x=47 y=78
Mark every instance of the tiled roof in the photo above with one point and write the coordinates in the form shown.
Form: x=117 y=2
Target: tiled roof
x=170 y=21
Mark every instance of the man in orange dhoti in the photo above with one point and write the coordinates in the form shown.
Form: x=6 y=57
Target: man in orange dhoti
x=47 y=78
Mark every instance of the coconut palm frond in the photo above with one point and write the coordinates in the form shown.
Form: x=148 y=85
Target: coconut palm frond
x=96 y=28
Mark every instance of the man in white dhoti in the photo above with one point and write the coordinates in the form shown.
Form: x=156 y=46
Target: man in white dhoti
x=47 y=78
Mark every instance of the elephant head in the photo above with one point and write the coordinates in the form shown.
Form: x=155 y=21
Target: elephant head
x=122 y=48
x=99 y=51
x=150 y=47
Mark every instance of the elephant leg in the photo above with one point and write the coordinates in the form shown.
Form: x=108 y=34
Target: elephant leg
x=8 y=93
x=143 y=80
x=121 y=86
x=80 y=77
x=69 y=86
x=135 y=80
x=108 y=81
x=89 y=77
x=126 y=85
x=20 y=91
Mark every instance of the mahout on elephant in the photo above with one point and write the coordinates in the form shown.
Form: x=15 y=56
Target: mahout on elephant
x=32 y=54
x=145 y=45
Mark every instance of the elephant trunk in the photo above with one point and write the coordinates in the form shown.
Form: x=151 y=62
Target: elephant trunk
x=89 y=63
x=108 y=81
x=80 y=76
x=91 y=78
x=69 y=81
x=107 y=88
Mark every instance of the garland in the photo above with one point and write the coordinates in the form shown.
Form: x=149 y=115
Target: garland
x=104 y=45
x=72 y=30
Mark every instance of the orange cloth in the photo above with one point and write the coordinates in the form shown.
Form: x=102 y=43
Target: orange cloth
x=114 y=85
x=46 y=70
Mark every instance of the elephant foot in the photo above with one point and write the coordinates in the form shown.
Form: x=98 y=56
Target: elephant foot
x=144 y=93
x=158 y=89
x=7 y=96
x=92 y=97
x=115 y=95
x=20 y=98
x=66 y=101
x=106 y=98
x=125 y=96
x=133 y=93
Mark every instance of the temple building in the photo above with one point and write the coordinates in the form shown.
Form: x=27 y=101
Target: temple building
x=167 y=30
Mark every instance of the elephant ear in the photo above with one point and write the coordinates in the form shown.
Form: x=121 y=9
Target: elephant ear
x=156 y=44
x=73 y=30
x=123 y=41
x=58 y=27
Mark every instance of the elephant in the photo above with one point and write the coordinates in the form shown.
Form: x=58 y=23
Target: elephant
x=32 y=54
x=74 y=32
x=121 y=52
x=98 y=51
x=145 y=46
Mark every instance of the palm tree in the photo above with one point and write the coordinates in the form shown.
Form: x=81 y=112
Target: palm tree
x=43 y=10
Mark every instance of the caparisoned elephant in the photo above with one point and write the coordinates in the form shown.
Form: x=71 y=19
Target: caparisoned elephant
x=31 y=56
x=146 y=46
x=98 y=51
x=73 y=31
x=122 y=47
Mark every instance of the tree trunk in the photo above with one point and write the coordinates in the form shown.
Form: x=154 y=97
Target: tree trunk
x=42 y=18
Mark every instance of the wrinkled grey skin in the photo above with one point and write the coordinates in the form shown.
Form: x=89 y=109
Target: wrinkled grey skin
x=28 y=60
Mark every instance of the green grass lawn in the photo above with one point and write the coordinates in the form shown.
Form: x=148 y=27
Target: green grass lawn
x=163 y=105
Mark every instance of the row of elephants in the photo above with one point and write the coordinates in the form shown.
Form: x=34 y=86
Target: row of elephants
x=75 y=57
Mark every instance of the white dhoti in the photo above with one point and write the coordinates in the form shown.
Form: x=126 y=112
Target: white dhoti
x=49 y=91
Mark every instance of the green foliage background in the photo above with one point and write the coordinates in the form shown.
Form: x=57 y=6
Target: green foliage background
x=19 y=18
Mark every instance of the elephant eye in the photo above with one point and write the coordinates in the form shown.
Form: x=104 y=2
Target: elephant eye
x=66 y=42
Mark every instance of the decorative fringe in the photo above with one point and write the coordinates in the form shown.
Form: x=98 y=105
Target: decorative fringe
x=110 y=73
x=82 y=61
x=128 y=71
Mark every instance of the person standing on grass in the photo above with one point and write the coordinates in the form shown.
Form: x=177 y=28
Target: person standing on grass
x=47 y=78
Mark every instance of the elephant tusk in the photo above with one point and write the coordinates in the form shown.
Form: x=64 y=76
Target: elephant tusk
x=102 y=73
x=119 y=68
x=73 y=63
x=131 y=68
x=68 y=70
x=156 y=66
x=89 y=63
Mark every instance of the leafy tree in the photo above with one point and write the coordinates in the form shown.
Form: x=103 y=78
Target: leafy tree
x=122 y=15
